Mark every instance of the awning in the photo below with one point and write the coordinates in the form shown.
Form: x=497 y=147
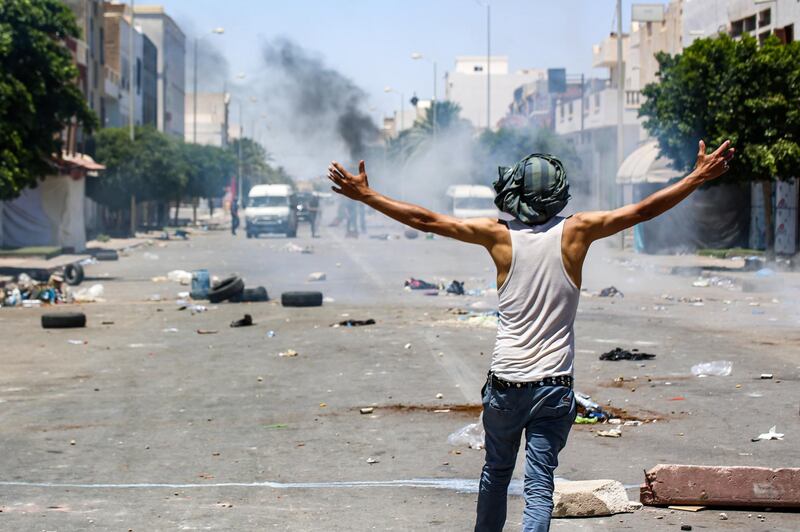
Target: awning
x=645 y=166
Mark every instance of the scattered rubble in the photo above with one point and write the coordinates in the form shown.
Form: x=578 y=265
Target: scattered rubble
x=610 y=291
x=317 y=276
x=591 y=498
x=288 y=353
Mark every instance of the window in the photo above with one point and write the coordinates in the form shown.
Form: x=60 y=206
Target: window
x=570 y=107
x=477 y=68
x=737 y=28
x=764 y=18
x=763 y=37
x=788 y=32
x=268 y=201
x=750 y=23
x=597 y=102
x=138 y=76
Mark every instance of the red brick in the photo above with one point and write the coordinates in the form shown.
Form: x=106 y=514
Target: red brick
x=669 y=484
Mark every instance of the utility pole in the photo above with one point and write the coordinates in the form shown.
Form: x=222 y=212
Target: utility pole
x=194 y=94
x=131 y=59
x=488 y=67
x=433 y=103
x=241 y=138
x=620 y=92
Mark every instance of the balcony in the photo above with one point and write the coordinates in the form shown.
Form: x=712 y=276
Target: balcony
x=604 y=55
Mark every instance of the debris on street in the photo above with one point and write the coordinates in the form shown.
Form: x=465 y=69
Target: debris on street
x=455 y=288
x=622 y=354
x=766 y=376
x=353 y=323
x=419 y=284
x=26 y=292
x=93 y=294
x=288 y=353
x=206 y=331
x=180 y=276
x=591 y=498
x=411 y=234
x=769 y=435
x=246 y=321
x=317 y=276
x=471 y=435
x=291 y=247
x=616 y=432
x=721 y=486
x=610 y=291
x=366 y=410
x=716 y=368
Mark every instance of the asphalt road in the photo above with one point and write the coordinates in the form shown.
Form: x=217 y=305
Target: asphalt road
x=147 y=425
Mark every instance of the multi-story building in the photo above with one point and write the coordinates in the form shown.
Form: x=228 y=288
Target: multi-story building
x=118 y=85
x=739 y=17
x=88 y=52
x=170 y=42
x=212 y=118
x=467 y=86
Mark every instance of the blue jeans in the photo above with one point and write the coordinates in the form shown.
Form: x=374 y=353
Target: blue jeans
x=546 y=415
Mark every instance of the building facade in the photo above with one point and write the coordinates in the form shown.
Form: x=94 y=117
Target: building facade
x=467 y=86
x=212 y=122
x=170 y=42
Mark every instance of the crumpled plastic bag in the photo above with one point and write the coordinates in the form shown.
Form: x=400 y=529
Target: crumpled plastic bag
x=716 y=368
x=92 y=294
x=180 y=276
x=472 y=435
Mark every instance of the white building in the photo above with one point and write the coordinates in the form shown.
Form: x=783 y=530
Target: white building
x=467 y=86
x=213 y=125
x=706 y=18
x=171 y=44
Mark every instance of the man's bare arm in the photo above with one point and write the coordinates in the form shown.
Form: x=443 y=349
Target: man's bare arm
x=600 y=224
x=356 y=187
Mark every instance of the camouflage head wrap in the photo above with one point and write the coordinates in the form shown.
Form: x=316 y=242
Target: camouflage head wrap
x=533 y=190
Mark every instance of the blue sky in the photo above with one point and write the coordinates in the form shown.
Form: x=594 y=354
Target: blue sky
x=370 y=41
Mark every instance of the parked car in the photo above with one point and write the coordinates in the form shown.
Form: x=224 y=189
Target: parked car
x=471 y=201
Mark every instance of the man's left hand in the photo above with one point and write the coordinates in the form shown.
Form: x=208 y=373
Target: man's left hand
x=355 y=187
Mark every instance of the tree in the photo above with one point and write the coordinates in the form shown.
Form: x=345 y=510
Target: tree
x=508 y=145
x=151 y=167
x=419 y=137
x=38 y=90
x=720 y=89
x=255 y=164
x=209 y=171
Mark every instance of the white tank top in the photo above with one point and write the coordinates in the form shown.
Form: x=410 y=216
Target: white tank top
x=537 y=306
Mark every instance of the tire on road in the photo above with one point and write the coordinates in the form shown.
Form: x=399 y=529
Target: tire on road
x=106 y=254
x=301 y=299
x=73 y=274
x=251 y=295
x=226 y=289
x=63 y=320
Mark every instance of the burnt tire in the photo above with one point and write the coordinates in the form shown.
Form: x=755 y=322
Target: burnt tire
x=63 y=320
x=301 y=299
x=106 y=254
x=251 y=295
x=226 y=289
x=73 y=274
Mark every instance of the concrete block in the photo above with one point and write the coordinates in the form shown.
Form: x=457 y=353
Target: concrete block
x=721 y=486
x=586 y=498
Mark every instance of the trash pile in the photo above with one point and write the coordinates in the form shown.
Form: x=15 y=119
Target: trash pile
x=454 y=287
x=25 y=292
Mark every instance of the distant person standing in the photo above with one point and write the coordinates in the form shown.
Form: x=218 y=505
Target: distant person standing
x=313 y=213
x=539 y=259
x=234 y=215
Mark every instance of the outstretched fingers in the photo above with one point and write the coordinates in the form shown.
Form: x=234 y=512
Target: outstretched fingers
x=701 y=147
x=719 y=151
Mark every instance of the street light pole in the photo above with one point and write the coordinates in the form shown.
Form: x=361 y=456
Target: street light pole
x=488 y=67
x=416 y=56
x=131 y=58
x=620 y=91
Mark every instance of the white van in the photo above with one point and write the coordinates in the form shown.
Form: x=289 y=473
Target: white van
x=471 y=201
x=271 y=209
